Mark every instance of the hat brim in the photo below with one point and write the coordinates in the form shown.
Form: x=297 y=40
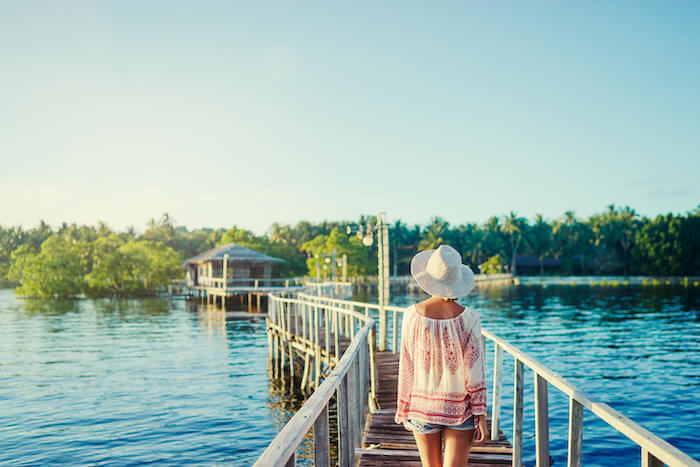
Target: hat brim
x=432 y=286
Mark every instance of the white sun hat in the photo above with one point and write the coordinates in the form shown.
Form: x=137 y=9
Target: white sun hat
x=440 y=272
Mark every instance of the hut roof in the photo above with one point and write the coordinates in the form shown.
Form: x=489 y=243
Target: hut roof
x=236 y=254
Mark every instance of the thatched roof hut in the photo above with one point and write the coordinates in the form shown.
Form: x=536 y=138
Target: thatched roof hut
x=242 y=263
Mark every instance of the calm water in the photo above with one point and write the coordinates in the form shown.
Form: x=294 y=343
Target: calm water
x=137 y=381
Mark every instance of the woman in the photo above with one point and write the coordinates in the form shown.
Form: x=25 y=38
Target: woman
x=441 y=388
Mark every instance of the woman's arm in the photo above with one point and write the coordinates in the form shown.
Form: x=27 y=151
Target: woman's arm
x=476 y=381
x=405 y=380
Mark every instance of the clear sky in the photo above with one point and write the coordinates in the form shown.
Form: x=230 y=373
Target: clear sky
x=247 y=113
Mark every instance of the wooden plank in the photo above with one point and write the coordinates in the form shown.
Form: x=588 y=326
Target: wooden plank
x=477 y=457
x=575 y=433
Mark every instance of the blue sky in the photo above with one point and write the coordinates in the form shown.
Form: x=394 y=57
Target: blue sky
x=248 y=113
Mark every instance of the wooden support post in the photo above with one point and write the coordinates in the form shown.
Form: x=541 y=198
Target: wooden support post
x=382 y=328
x=394 y=333
x=518 y=415
x=541 y=422
x=322 y=451
x=317 y=348
x=374 y=404
x=282 y=354
x=305 y=378
x=274 y=356
x=278 y=344
x=291 y=364
x=362 y=381
x=269 y=350
x=353 y=403
x=344 y=435
x=576 y=434
x=336 y=331
x=497 y=384
x=327 y=329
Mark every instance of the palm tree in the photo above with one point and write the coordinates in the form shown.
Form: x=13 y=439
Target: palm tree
x=434 y=234
x=514 y=226
x=540 y=238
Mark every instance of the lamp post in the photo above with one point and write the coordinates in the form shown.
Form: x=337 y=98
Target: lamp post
x=366 y=233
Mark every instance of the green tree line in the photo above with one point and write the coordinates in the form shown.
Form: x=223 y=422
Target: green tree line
x=97 y=261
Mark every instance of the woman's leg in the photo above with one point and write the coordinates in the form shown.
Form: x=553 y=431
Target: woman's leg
x=430 y=448
x=458 y=443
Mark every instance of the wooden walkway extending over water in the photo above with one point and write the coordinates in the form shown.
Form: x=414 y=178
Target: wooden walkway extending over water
x=345 y=359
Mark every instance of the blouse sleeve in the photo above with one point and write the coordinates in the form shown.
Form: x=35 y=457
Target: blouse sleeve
x=405 y=379
x=476 y=380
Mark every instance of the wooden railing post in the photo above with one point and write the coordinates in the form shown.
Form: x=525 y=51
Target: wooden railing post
x=317 y=346
x=394 y=333
x=322 y=452
x=576 y=433
x=382 y=328
x=336 y=330
x=345 y=440
x=353 y=402
x=518 y=414
x=541 y=422
x=373 y=367
x=497 y=384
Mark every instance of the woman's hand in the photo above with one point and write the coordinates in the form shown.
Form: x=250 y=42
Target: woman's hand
x=480 y=425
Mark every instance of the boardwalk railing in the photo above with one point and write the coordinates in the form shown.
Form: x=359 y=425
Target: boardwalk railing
x=309 y=326
x=339 y=318
x=654 y=450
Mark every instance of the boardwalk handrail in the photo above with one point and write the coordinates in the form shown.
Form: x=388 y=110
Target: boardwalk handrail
x=654 y=449
x=366 y=307
x=300 y=321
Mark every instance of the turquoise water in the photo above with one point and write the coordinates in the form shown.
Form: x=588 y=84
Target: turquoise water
x=139 y=381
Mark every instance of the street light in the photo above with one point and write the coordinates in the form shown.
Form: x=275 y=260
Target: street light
x=366 y=233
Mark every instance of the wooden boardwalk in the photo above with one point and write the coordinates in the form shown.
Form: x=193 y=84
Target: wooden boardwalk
x=388 y=443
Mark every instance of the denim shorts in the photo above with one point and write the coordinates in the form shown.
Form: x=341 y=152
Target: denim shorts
x=429 y=428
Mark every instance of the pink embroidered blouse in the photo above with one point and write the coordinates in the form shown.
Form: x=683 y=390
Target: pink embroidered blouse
x=441 y=368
